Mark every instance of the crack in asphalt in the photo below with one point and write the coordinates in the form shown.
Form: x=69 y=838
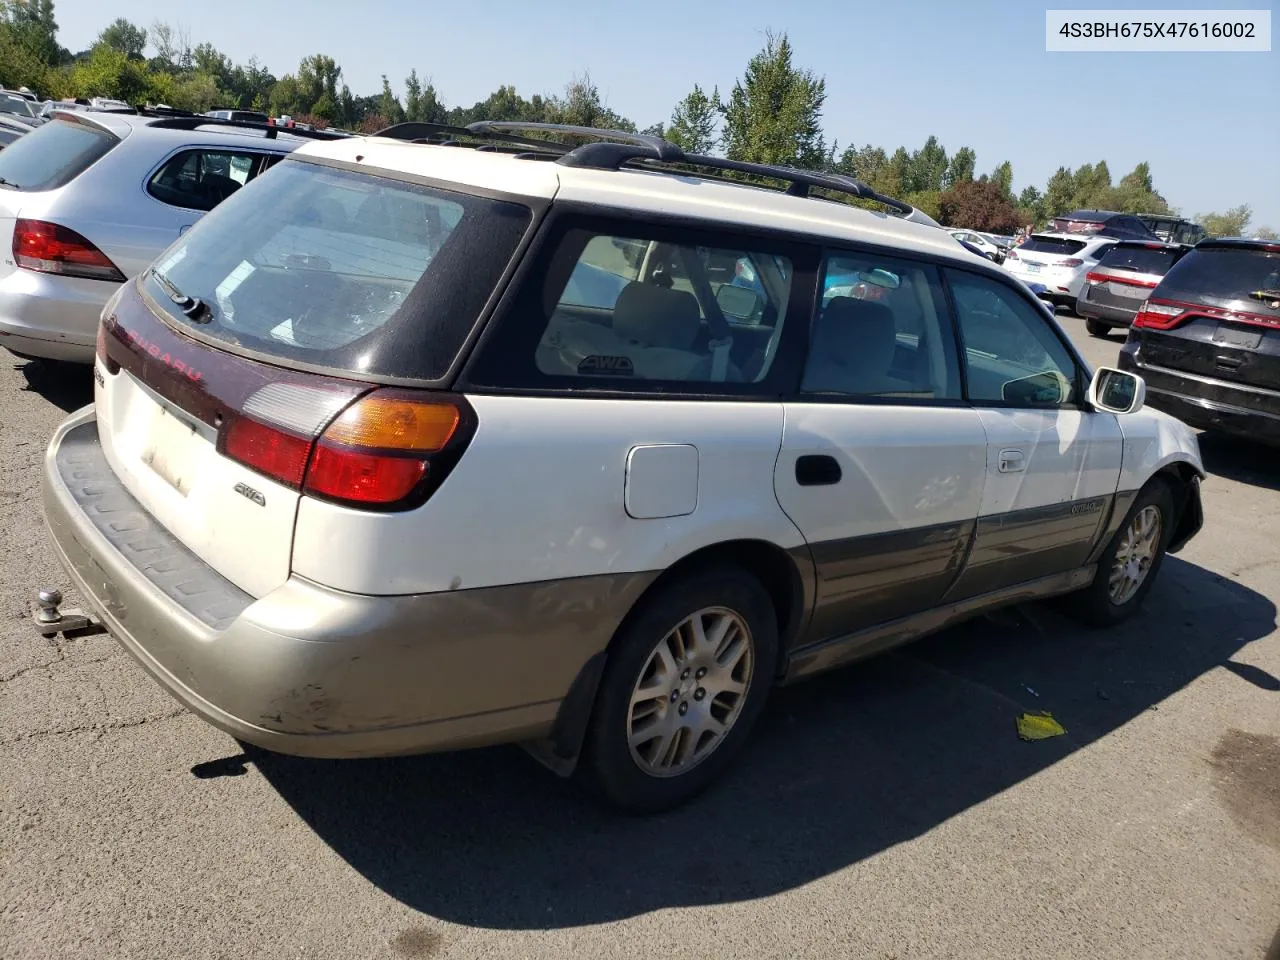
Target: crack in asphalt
x=98 y=728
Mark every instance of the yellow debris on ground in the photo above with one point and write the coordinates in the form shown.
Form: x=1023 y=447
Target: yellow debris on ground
x=1039 y=726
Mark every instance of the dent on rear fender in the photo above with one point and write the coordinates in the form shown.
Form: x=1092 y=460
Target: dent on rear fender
x=1152 y=441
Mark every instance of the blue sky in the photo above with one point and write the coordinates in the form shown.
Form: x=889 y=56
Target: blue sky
x=973 y=73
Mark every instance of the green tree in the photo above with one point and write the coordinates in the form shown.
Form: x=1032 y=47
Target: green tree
x=961 y=167
x=1059 y=193
x=1233 y=223
x=1092 y=187
x=1002 y=177
x=126 y=37
x=32 y=27
x=581 y=106
x=389 y=107
x=1135 y=193
x=422 y=103
x=693 y=122
x=928 y=168
x=107 y=72
x=774 y=112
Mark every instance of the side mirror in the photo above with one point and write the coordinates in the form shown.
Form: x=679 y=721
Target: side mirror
x=1116 y=391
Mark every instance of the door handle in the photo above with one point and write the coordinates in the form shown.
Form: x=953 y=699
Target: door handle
x=817 y=470
x=1012 y=461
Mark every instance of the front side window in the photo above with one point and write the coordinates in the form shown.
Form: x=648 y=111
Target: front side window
x=879 y=332
x=1011 y=355
x=201 y=179
x=645 y=309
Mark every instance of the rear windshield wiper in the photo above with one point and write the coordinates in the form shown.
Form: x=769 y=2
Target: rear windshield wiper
x=1271 y=297
x=193 y=307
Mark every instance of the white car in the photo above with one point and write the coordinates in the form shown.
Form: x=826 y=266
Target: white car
x=986 y=246
x=1060 y=261
x=397 y=450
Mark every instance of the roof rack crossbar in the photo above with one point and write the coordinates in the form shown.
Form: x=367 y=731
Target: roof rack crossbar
x=656 y=147
x=417 y=132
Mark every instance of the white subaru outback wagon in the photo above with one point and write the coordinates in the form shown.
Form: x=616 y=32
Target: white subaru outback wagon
x=409 y=447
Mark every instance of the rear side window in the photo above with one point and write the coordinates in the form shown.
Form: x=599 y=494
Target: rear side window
x=344 y=271
x=648 y=310
x=201 y=179
x=1155 y=260
x=1226 y=277
x=53 y=155
x=1059 y=245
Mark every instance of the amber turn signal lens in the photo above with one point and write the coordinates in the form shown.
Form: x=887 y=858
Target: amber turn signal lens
x=390 y=423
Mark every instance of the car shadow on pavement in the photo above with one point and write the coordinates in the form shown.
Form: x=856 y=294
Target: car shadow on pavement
x=1241 y=460
x=839 y=768
x=66 y=385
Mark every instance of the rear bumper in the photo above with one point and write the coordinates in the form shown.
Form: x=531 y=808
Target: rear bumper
x=1115 y=316
x=51 y=317
x=1210 y=404
x=310 y=671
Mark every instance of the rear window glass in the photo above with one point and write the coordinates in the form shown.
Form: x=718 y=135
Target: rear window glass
x=53 y=155
x=1140 y=259
x=342 y=270
x=1052 y=245
x=1225 y=277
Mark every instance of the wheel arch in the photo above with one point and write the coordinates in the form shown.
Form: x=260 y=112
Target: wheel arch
x=786 y=575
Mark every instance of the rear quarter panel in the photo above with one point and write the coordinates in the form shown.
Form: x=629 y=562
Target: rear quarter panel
x=539 y=495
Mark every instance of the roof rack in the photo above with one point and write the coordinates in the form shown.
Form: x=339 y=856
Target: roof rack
x=443 y=134
x=653 y=151
x=169 y=121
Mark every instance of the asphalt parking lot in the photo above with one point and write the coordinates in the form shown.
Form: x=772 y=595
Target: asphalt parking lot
x=886 y=811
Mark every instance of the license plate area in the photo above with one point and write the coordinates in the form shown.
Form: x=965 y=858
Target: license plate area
x=1033 y=267
x=1128 y=290
x=1231 y=336
x=173 y=449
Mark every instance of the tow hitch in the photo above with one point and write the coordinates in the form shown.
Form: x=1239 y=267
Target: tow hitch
x=49 y=620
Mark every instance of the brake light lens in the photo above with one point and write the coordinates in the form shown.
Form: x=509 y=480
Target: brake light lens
x=1069 y=262
x=1158 y=316
x=388 y=449
x=1011 y=255
x=269 y=450
x=52 y=248
x=1096 y=277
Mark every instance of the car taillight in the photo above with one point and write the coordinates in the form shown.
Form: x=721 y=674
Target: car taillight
x=1069 y=262
x=52 y=248
x=1158 y=316
x=1096 y=277
x=388 y=449
x=1011 y=255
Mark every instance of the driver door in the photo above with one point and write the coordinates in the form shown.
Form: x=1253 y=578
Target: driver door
x=1052 y=464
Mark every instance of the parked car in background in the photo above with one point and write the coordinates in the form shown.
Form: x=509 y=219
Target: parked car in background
x=11 y=129
x=722 y=487
x=984 y=245
x=1122 y=279
x=91 y=198
x=1060 y=261
x=1106 y=223
x=1173 y=229
x=17 y=107
x=1207 y=341
x=251 y=115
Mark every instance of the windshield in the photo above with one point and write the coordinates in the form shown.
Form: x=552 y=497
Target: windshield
x=11 y=104
x=342 y=270
x=1224 y=277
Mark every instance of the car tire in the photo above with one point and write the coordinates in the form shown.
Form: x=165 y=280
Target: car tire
x=1105 y=603
x=1096 y=328
x=641 y=776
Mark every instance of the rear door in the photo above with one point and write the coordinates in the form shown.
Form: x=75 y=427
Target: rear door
x=1051 y=465
x=882 y=462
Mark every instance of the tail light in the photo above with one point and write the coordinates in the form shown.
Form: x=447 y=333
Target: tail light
x=52 y=248
x=389 y=449
x=1069 y=262
x=1096 y=277
x=1011 y=255
x=1159 y=316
